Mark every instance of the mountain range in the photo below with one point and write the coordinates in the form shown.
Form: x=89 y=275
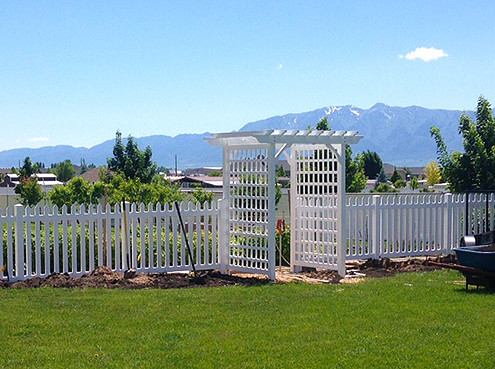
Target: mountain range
x=400 y=135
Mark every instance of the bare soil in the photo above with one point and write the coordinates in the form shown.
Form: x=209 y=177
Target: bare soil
x=104 y=277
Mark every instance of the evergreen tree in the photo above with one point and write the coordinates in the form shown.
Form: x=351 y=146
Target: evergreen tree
x=372 y=163
x=27 y=169
x=381 y=178
x=323 y=125
x=395 y=176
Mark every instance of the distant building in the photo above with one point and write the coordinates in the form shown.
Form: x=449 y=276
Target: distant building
x=192 y=182
x=46 y=180
x=201 y=172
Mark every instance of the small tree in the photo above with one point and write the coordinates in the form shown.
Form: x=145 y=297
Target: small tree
x=323 y=125
x=201 y=196
x=65 y=171
x=215 y=173
x=130 y=161
x=30 y=191
x=384 y=188
x=27 y=169
x=381 y=178
x=414 y=183
x=355 y=179
x=432 y=173
x=395 y=176
x=281 y=172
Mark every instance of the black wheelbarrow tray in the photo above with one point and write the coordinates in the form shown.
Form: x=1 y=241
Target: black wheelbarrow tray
x=476 y=263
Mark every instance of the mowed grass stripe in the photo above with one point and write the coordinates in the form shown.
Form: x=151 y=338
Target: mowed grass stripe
x=412 y=320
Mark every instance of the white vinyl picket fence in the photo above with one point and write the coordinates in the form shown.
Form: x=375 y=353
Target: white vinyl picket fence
x=415 y=224
x=43 y=240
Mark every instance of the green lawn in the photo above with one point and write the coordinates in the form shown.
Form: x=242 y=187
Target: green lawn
x=423 y=320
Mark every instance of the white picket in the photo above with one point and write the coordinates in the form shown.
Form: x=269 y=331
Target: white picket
x=413 y=224
x=76 y=240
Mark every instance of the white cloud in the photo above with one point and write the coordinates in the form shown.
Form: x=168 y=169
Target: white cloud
x=38 y=140
x=426 y=54
x=280 y=66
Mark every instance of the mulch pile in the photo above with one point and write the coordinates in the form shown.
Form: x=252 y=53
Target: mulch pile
x=104 y=277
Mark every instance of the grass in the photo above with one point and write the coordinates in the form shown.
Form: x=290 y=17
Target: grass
x=410 y=321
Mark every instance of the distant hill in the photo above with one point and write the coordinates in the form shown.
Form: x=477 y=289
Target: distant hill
x=400 y=135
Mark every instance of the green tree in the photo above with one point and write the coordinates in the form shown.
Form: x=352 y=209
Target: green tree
x=200 y=195
x=414 y=183
x=64 y=171
x=323 y=125
x=281 y=172
x=60 y=196
x=215 y=173
x=77 y=191
x=130 y=161
x=381 y=178
x=433 y=174
x=355 y=179
x=475 y=168
x=395 y=176
x=27 y=169
x=30 y=191
x=384 y=188
x=400 y=183
x=372 y=163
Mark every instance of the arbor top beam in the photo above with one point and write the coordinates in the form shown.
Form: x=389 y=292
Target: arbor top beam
x=313 y=137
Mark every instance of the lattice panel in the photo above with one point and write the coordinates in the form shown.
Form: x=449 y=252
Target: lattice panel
x=314 y=178
x=248 y=209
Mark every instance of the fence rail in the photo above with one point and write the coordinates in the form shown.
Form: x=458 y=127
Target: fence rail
x=43 y=240
x=414 y=224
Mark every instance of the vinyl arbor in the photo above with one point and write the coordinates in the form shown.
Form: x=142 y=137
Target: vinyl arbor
x=317 y=198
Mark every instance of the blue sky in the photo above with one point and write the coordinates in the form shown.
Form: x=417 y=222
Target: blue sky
x=75 y=72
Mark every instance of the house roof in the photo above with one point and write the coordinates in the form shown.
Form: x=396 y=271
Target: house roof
x=211 y=181
x=92 y=175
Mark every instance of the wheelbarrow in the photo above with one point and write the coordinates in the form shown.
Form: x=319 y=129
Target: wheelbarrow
x=476 y=263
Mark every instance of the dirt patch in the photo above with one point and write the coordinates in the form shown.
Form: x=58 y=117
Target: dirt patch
x=357 y=271
x=386 y=267
x=104 y=277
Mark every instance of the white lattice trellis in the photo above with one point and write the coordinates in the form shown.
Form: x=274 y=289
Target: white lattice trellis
x=317 y=193
x=248 y=208
x=315 y=174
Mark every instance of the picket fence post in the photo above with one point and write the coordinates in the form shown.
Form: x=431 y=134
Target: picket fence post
x=19 y=242
x=446 y=222
x=375 y=240
x=124 y=254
